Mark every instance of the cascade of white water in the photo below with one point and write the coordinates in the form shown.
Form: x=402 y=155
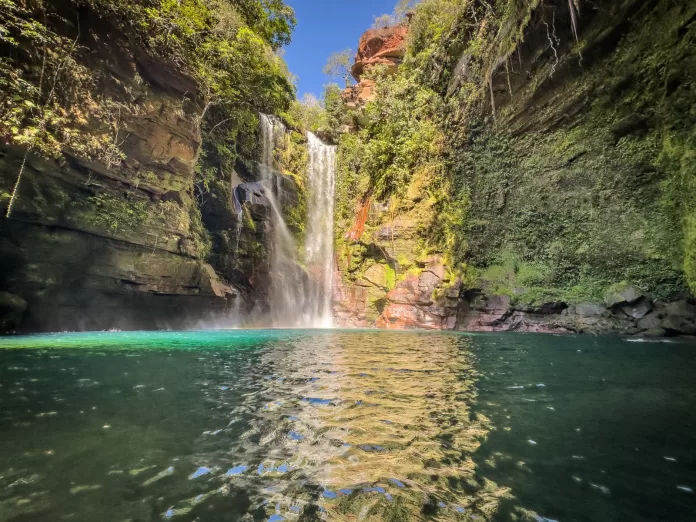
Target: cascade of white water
x=295 y=300
x=320 y=229
x=239 y=210
x=287 y=295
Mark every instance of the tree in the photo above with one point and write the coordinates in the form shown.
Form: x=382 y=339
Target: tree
x=338 y=66
x=383 y=21
x=403 y=7
x=271 y=19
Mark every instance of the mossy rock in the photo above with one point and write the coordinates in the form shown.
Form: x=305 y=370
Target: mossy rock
x=622 y=293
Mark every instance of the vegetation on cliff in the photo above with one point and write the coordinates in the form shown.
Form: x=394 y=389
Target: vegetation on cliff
x=53 y=102
x=547 y=155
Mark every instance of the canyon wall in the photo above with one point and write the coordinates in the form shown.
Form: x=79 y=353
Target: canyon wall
x=570 y=174
x=133 y=236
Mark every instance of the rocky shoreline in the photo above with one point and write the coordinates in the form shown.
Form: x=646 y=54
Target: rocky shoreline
x=430 y=301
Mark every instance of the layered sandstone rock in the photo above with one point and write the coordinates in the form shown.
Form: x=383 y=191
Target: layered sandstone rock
x=95 y=244
x=426 y=300
x=385 y=48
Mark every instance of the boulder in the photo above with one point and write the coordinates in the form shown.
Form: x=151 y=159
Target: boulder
x=621 y=294
x=253 y=195
x=651 y=322
x=590 y=309
x=679 y=317
x=637 y=310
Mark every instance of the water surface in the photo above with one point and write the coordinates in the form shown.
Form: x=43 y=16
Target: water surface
x=345 y=425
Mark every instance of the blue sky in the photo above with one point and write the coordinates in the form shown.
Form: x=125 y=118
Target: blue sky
x=324 y=27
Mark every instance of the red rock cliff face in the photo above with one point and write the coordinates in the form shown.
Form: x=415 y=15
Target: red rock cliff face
x=377 y=47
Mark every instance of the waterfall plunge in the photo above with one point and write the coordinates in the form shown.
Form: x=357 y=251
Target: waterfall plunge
x=294 y=300
x=319 y=252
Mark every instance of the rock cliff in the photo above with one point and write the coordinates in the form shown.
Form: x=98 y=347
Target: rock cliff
x=135 y=238
x=90 y=245
x=563 y=156
x=378 y=48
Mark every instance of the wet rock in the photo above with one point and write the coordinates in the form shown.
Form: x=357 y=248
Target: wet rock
x=633 y=124
x=651 y=322
x=12 y=308
x=253 y=196
x=639 y=309
x=497 y=313
x=679 y=318
x=590 y=309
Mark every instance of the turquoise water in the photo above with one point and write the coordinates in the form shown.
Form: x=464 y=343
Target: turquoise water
x=345 y=425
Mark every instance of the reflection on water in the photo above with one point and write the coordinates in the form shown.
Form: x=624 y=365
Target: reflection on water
x=374 y=426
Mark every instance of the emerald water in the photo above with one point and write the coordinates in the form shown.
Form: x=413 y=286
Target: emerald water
x=345 y=425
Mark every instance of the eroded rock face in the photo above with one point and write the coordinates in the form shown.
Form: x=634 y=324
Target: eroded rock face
x=538 y=101
x=378 y=47
x=350 y=306
x=427 y=300
x=497 y=313
x=12 y=308
x=97 y=245
x=386 y=46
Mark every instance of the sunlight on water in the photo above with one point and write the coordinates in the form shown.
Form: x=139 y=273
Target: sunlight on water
x=344 y=425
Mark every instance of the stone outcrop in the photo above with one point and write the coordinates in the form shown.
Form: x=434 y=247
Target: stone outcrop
x=350 y=306
x=427 y=300
x=384 y=47
x=479 y=313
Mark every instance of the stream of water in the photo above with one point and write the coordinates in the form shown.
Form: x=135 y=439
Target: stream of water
x=302 y=425
x=319 y=242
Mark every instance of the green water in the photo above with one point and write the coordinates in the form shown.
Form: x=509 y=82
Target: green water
x=345 y=425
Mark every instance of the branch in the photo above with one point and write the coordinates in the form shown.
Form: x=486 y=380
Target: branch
x=217 y=125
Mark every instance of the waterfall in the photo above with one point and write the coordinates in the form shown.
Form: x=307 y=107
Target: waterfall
x=239 y=210
x=319 y=252
x=287 y=296
x=297 y=300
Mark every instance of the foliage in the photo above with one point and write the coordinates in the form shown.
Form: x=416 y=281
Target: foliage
x=307 y=114
x=201 y=236
x=294 y=162
x=46 y=109
x=53 y=103
x=398 y=16
x=115 y=214
x=324 y=116
x=398 y=155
